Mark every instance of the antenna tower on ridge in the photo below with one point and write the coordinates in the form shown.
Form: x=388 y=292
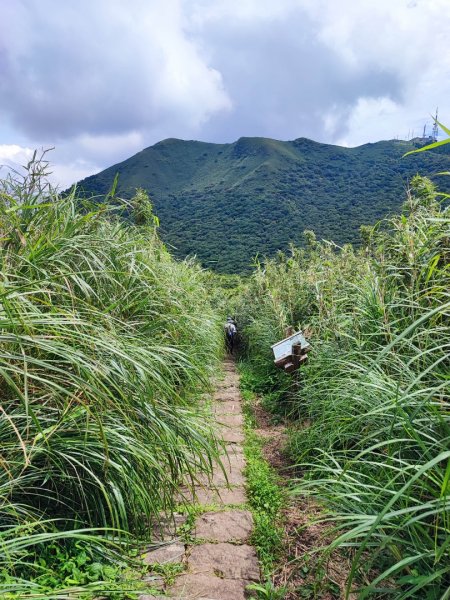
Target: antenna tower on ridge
x=435 y=131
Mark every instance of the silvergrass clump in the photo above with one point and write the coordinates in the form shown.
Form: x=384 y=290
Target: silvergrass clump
x=375 y=394
x=106 y=342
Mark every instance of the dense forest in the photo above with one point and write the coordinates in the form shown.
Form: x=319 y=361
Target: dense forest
x=227 y=203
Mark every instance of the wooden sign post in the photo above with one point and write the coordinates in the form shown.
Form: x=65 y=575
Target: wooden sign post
x=291 y=352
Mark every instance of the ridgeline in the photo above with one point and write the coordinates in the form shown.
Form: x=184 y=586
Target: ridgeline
x=227 y=203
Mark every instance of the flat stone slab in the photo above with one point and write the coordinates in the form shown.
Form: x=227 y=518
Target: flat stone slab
x=233 y=461
x=170 y=553
x=229 y=395
x=225 y=560
x=231 y=420
x=224 y=384
x=232 y=389
x=230 y=477
x=231 y=436
x=207 y=587
x=232 y=473
x=226 y=526
x=226 y=375
x=166 y=529
x=228 y=496
x=227 y=407
x=221 y=496
x=232 y=450
x=233 y=456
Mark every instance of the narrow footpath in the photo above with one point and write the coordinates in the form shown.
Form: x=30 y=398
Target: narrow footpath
x=220 y=562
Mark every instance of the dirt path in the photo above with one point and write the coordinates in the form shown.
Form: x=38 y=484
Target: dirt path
x=219 y=563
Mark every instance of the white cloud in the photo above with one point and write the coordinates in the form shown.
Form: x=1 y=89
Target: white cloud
x=368 y=111
x=410 y=39
x=14 y=154
x=103 y=68
x=61 y=174
x=378 y=68
x=109 y=146
x=14 y=157
x=64 y=175
x=101 y=80
x=201 y=13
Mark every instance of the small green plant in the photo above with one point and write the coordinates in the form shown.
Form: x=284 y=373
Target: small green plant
x=168 y=571
x=267 y=591
x=185 y=531
x=68 y=568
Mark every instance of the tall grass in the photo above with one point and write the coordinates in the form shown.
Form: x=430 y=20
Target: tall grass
x=105 y=344
x=375 y=393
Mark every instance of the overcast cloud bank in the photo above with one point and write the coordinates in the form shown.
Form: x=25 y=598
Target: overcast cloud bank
x=101 y=80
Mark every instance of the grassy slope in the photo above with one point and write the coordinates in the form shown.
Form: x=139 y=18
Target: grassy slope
x=228 y=202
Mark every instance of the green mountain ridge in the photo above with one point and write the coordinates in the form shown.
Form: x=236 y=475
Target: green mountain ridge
x=227 y=203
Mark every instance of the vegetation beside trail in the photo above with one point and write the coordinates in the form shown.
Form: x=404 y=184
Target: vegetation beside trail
x=106 y=343
x=369 y=413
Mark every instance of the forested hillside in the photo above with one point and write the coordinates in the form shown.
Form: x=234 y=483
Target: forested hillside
x=227 y=203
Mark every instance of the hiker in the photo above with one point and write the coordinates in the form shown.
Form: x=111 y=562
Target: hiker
x=230 y=334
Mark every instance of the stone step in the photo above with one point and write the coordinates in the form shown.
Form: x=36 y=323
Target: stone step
x=166 y=529
x=229 y=395
x=221 y=567
x=167 y=553
x=207 y=587
x=226 y=526
x=226 y=560
x=220 y=496
x=231 y=436
x=228 y=407
x=231 y=421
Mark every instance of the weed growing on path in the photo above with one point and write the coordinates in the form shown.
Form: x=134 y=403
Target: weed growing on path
x=264 y=495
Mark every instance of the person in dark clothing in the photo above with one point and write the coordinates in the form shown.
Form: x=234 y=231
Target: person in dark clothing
x=230 y=334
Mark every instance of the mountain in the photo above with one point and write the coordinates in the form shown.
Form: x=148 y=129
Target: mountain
x=227 y=203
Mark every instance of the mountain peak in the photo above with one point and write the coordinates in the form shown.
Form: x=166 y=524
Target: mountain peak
x=228 y=202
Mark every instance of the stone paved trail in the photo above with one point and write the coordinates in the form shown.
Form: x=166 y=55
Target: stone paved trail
x=220 y=563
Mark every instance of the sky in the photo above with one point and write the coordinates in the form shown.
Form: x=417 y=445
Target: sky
x=99 y=80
